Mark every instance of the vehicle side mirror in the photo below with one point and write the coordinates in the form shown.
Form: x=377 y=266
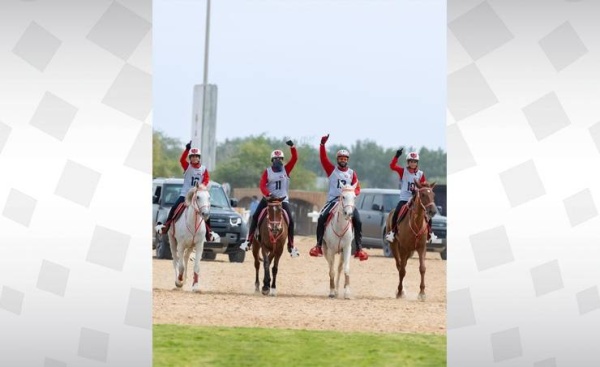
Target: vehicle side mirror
x=154 y=199
x=234 y=202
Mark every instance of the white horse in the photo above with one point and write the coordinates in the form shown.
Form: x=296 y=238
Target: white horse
x=337 y=239
x=188 y=233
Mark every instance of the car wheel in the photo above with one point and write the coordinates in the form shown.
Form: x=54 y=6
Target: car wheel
x=163 y=249
x=237 y=257
x=209 y=256
x=443 y=254
x=385 y=245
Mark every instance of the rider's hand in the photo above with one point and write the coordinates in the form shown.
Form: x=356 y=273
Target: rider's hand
x=399 y=152
x=188 y=146
x=324 y=139
x=290 y=143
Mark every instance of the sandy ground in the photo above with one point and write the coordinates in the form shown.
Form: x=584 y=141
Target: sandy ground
x=227 y=296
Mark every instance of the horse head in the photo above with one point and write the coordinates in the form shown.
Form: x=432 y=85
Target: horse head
x=425 y=196
x=347 y=199
x=201 y=202
x=275 y=215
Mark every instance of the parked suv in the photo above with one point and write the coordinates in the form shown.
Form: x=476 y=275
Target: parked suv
x=374 y=205
x=224 y=220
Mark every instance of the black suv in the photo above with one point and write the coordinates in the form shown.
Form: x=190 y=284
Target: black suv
x=374 y=205
x=224 y=220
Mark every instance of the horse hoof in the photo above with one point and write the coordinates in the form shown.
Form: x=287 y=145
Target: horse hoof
x=422 y=297
x=273 y=292
x=178 y=284
x=265 y=292
x=196 y=288
x=331 y=295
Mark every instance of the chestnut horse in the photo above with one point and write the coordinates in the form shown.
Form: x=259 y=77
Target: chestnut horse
x=272 y=236
x=411 y=233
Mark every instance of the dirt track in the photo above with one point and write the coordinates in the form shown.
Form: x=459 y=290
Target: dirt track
x=227 y=295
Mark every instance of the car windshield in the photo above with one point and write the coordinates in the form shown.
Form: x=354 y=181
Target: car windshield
x=170 y=193
x=218 y=197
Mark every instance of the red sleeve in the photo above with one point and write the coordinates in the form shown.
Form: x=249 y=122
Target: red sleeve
x=325 y=162
x=396 y=167
x=263 y=184
x=290 y=165
x=183 y=160
x=355 y=181
x=206 y=178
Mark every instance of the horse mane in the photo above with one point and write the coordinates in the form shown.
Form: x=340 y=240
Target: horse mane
x=190 y=196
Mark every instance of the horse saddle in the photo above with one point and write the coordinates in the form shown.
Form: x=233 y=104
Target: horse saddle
x=403 y=211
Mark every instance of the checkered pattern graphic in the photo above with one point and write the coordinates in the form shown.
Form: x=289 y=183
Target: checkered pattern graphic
x=75 y=152
x=523 y=189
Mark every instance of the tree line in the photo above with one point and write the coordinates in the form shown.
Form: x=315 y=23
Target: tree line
x=241 y=161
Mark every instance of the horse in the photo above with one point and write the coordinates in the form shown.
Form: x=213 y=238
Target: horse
x=337 y=239
x=272 y=236
x=411 y=234
x=188 y=233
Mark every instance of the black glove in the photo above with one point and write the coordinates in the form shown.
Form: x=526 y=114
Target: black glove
x=399 y=152
x=290 y=143
x=324 y=139
x=188 y=146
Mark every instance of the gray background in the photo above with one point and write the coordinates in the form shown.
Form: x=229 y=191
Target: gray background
x=75 y=162
x=523 y=158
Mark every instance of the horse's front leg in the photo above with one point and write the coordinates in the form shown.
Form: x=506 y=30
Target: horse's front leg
x=267 y=269
x=199 y=248
x=273 y=291
x=421 y=296
x=347 y=256
x=330 y=256
x=402 y=273
x=174 y=254
x=185 y=260
x=255 y=249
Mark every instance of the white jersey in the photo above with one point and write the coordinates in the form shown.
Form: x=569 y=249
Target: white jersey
x=337 y=179
x=407 y=183
x=190 y=177
x=278 y=183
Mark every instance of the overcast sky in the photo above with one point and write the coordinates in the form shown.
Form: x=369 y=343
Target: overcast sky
x=357 y=69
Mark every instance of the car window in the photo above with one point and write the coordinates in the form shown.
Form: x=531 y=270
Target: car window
x=390 y=201
x=377 y=199
x=367 y=203
x=170 y=194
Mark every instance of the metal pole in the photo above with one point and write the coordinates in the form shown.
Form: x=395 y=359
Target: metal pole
x=204 y=86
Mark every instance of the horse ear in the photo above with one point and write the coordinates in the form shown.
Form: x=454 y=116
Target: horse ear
x=432 y=184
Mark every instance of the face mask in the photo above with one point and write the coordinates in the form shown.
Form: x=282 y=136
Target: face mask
x=277 y=165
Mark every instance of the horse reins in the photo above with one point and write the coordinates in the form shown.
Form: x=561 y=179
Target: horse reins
x=423 y=226
x=337 y=213
x=272 y=223
x=197 y=211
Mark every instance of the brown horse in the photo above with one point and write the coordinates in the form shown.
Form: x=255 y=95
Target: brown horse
x=272 y=236
x=411 y=233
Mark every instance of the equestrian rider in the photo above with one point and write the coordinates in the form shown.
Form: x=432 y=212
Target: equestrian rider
x=275 y=182
x=193 y=172
x=338 y=176
x=407 y=186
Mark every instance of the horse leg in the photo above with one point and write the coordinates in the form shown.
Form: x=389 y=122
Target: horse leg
x=267 y=275
x=421 y=296
x=330 y=256
x=347 y=255
x=275 y=269
x=185 y=260
x=199 y=249
x=255 y=249
x=174 y=254
x=402 y=273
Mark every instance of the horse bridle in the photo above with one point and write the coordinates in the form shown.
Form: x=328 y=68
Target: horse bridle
x=273 y=223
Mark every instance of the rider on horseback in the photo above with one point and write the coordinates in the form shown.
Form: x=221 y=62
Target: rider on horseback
x=193 y=172
x=275 y=182
x=341 y=173
x=407 y=187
